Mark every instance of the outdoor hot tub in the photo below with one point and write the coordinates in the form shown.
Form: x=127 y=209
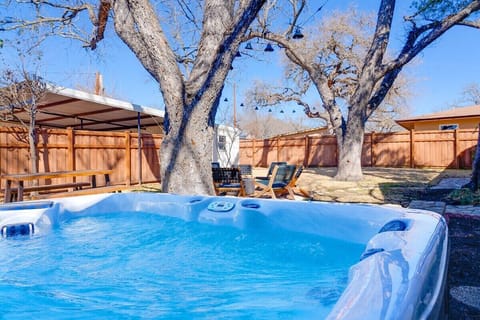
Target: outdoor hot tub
x=148 y=255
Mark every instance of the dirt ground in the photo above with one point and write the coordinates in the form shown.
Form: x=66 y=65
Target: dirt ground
x=380 y=185
x=464 y=265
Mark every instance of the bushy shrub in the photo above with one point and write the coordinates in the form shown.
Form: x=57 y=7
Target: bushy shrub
x=464 y=197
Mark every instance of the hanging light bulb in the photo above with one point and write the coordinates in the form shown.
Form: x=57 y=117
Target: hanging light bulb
x=249 y=46
x=242 y=105
x=268 y=48
x=226 y=100
x=293 y=111
x=256 y=108
x=281 y=111
x=238 y=55
x=298 y=34
x=269 y=110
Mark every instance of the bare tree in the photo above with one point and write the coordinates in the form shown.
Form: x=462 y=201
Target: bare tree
x=190 y=73
x=260 y=125
x=359 y=89
x=471 y=93
x=21 y=92
x=267 y=96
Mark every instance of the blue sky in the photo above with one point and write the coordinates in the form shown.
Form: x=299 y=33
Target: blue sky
x=441 y=72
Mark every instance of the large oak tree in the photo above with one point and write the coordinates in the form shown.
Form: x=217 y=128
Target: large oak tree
x=370 y=81
x=191 y=84
x=342 y=36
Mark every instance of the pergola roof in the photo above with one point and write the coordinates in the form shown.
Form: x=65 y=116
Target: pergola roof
x=64 y=107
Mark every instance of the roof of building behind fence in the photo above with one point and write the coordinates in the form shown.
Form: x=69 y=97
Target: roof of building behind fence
x=455 y=113
x=302 y=133
x=70 y=108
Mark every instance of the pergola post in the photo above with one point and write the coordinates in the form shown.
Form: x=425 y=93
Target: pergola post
x=139 y=148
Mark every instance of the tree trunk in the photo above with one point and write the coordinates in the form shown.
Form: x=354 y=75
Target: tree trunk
x=349 y=146
x=32 y=141
x=186 y=156
x=475 y=181
x=191 y=100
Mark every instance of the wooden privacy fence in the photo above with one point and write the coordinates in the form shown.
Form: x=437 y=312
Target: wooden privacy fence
x=444 y=149
x=67 y=149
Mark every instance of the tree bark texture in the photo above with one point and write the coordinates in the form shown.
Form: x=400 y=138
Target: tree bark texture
x=350 y=144
x=32 y=142
x=190 y=101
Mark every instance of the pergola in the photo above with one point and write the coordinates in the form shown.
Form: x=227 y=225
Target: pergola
x=69 y=108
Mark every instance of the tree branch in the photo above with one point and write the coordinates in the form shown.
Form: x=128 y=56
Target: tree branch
x=63 y=24
x=473 y=24
x=414 y=44
x=375 y=54
x=101 y=22
x=136 y=24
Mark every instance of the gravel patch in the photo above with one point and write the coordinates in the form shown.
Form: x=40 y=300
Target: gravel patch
x=467 y=295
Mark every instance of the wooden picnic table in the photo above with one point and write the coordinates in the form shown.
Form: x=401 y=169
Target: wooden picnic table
x=20 y=178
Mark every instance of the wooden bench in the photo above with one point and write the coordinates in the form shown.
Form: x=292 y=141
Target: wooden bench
x=21 y=178
x=61 y=186
x=82 y=192
x=49 y=187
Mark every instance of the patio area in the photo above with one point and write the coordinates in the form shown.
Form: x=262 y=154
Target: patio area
x=380 y=185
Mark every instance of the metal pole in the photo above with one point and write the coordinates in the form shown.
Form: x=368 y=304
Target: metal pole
x=139 y=149
x=234 y=107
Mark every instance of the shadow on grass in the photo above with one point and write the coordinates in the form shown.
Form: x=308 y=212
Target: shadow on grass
x=404 y=194
x=415 y=184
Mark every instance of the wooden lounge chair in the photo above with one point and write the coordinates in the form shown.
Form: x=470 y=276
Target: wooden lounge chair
x=270 y=171
x=291 y=188
x=228 y=180
x=278 y=182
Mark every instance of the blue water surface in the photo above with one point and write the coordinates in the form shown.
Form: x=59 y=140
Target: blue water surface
x=139 y=265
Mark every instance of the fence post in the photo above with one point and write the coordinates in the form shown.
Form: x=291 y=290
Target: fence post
x=278 y=149
x=412 y=148
x=307 y=151
x=455 y=148
x=372 y=149
x=336 y=151
x=128 y=159
x=139 y=150
x=70 y=150
x=253 y=152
